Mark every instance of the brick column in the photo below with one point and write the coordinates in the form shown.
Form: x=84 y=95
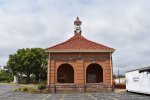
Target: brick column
x=79 y=72
x=107 y=72
x=52 y=76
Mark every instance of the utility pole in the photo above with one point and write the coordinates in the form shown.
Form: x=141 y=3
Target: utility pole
x=118 y=76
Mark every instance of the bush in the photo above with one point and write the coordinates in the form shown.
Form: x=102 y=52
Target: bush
x=5 y=76
x=22 y=89
x=32 y=90
x=41 y=86
x=25 y=89
x=19 y=89
x=46 y=91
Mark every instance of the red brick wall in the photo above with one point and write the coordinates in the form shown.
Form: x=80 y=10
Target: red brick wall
x=79 y=62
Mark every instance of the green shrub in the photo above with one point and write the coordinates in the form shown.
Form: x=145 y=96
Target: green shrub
x=22 y=89
x=41 y=86
x=32 y=90
x=5 y=76
x=25 y=89
x=40 y=89
x=19 y=89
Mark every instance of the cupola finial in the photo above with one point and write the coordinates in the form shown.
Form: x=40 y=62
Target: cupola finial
x=77 y=24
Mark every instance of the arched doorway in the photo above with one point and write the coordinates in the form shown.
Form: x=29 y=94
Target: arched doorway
x=94 y=73
x=65 y=74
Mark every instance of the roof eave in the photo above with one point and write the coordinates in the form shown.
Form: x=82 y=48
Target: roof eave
x=80 y=51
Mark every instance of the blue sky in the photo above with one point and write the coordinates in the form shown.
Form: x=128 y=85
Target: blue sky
x=121 y=24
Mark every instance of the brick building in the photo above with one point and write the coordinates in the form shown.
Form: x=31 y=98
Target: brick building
x=79 y=64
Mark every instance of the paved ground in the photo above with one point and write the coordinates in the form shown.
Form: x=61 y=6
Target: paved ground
x=6 y=88
x=7 y=93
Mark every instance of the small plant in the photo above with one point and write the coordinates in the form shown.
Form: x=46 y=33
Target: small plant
x=22 y=89
x=41 y=87
x=32 y=90
x=46 y=91
x=18 y=89
x=25 y=89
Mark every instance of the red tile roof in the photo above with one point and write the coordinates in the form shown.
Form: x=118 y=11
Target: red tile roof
x=78 y=43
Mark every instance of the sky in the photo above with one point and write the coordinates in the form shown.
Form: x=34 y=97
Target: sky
x=121 y=24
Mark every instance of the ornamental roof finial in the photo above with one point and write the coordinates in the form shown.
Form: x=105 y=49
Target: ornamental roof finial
x=77 y=24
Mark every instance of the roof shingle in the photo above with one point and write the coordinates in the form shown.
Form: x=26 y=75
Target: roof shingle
x=79 y=43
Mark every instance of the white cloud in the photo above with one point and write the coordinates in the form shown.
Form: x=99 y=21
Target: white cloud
x=123 y=25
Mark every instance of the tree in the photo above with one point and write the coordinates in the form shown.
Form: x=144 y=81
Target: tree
x=39 y=67
x=27 y=62
x=13 y=64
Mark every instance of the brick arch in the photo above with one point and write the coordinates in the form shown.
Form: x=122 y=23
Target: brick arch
x=65 y=73
x=61 y=63
x=94 y=73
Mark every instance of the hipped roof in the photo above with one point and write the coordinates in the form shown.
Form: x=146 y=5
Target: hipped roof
x=78 y=43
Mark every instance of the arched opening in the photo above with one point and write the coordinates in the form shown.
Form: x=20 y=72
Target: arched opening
x=94 y=73
x=65 y=74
